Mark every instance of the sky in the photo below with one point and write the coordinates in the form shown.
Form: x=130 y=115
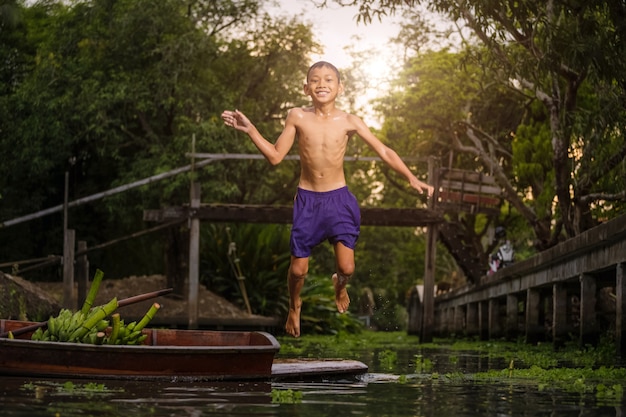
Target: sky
x=335 y=28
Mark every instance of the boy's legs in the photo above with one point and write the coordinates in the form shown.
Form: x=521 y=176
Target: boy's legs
x=295 y=281
x=345 y=268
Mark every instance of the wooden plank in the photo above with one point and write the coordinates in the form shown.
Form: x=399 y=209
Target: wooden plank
x=476 y=199
x=302 y=368
x=470 y=187
x=467 y=176
x=249 y=213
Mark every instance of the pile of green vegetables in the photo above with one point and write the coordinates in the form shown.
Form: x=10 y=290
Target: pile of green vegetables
x=90 y=324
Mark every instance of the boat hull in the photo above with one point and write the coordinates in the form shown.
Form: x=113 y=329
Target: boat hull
x=166 y=354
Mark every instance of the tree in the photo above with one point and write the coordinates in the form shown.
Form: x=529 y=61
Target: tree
x=568 y=56
x=113 y=91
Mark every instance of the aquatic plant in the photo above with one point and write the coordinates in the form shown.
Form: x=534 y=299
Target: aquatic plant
x=287 y=396
x=388 y=358
x=423 y=364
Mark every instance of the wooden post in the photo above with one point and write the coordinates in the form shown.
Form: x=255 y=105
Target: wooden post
x=511 y=316
x=82 y=272
x=459 y=318
x=588 y=329
x=194 y=256
x=559 y=314
x=483 y=319
x=493 y=321
x=533 y=304
x=430 y=261
x=471 y=319
x=69 y=300
x=449 y=317
x=620 y=309
x=415 y=312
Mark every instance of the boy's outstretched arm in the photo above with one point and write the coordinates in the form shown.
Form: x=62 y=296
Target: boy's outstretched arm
x=274 y=153
x=394 y=161
x=390 y=157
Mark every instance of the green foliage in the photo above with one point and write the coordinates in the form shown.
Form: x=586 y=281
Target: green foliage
x=502 y=103
x=263 y=256
x=319 y=313
x=113 y=92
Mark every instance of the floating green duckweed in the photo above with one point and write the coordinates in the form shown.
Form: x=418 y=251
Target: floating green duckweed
x=286 y=396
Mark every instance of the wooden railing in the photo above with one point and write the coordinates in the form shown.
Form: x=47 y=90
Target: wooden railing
x=560 y=292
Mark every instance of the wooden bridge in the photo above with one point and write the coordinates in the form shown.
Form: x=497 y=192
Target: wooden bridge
x=577 y=287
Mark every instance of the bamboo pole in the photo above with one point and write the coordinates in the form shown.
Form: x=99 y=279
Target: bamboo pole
x=107 y=193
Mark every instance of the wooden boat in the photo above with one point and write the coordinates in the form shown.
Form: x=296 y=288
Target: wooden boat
x=316 y=369
x=166 y=354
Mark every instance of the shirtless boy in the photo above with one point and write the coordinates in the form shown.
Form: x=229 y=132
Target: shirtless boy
x=324 y=209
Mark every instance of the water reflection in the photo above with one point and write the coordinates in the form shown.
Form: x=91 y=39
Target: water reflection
x=391 y=388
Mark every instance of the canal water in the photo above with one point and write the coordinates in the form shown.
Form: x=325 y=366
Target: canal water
x=400 y=383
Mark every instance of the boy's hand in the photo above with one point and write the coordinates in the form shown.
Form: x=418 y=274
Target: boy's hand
x=421 y=186
x=236 y=119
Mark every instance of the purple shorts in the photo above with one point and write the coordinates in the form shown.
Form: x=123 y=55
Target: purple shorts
x=318 y=216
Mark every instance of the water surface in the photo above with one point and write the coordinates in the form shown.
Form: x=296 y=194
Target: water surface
x=394 y=386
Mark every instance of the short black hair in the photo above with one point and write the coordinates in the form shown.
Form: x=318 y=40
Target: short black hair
x=322 y=64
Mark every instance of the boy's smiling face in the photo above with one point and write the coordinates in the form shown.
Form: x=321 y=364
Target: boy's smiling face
x=323 y=85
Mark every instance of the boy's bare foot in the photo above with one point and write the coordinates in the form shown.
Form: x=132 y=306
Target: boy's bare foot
x=292 y=326
x=341 y=294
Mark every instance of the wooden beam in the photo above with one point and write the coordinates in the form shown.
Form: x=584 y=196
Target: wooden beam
x=471 y=187
x=467 y=176
x=370 y=216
